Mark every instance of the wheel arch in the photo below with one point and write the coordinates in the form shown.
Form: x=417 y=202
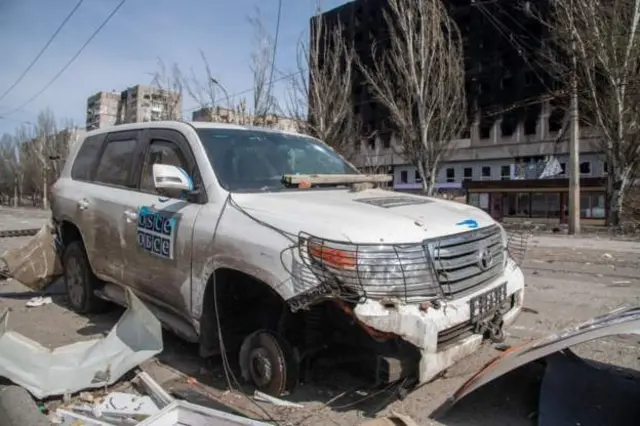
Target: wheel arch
x=70 y=232
x=251 y=294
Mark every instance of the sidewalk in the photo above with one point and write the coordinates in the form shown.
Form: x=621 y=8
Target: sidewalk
x=584 y=243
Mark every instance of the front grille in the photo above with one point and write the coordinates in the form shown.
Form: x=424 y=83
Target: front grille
x=458 y=263
x=444 y=266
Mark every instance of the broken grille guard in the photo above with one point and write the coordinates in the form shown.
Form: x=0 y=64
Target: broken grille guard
x=329 y=269
x=518 y=243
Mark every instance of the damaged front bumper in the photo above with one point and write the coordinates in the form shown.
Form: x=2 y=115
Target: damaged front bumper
x=444 y=334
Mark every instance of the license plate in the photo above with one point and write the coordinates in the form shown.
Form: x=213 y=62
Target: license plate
x=487 y=302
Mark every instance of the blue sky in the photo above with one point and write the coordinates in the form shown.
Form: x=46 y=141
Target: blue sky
x=126 y=51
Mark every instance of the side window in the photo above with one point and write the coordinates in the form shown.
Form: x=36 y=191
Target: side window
x=86 y=158
x=115 y=162
x=160 y=152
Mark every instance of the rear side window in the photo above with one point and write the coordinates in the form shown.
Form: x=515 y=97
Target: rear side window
x=115 y=163
x=85 y=161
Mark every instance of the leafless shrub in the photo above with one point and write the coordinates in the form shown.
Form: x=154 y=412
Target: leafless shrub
x=319 y=94
x=418 y=77
x=171 y=83
x=264 y=103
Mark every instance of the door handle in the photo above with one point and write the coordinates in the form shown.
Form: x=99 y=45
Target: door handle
x=83 y=204
x=130 y=215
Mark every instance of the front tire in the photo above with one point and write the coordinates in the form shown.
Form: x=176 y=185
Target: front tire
x=80 y=280
x=267 y=360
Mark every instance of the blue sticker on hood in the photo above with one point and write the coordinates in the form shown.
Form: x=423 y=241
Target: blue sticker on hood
x=469 y=223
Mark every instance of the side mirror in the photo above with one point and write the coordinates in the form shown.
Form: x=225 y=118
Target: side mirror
x=167 y=178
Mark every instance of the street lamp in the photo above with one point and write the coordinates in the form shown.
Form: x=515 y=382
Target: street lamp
x=217 y=83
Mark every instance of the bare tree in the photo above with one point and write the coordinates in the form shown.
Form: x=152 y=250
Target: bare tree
x=419 y=79
x=205 y=90
x=38 y=150
x=264 y=103
x=171 y=83
x=320 y=92
x=604 y=38
x=11 y=170
x=59 y=151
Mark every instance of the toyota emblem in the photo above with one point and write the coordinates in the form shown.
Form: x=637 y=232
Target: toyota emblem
x=485 y=259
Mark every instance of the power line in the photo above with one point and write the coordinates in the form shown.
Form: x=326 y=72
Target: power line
x=275 y=47
x=247 y=91
x=68 y=64
x=46 y=46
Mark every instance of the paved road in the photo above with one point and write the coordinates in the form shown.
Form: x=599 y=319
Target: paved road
x=568 y=280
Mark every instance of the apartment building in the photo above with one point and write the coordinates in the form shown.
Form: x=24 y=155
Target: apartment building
x=148 y=103
x=135 y=104
x=102 y=110
x=512 y=134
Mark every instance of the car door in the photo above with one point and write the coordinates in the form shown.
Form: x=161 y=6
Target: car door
x=71 y=195
x=163 y=228
x=102 y=205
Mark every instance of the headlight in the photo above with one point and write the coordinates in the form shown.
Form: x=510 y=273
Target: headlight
x=377 y=270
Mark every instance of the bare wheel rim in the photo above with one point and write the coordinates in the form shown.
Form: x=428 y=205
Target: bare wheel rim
x=75 y=282
x=260 y=367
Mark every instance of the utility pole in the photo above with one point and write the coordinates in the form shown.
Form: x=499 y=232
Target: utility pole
x=574 y=140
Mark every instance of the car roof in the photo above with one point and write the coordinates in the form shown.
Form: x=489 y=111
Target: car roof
x=182 y=124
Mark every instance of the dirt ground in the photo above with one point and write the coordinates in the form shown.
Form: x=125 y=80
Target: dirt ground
x=568 y=280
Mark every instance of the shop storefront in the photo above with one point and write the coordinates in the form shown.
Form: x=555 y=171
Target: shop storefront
x=541 y=200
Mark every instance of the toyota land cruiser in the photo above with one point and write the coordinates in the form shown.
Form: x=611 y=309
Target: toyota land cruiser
x=260 y=243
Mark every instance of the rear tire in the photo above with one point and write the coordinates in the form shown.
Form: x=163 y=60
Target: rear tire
x=267 y=360
x=80 y=281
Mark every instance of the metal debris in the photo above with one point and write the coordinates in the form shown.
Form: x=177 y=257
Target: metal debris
x=185 y=413
x=618 y=322
x=157 y=392
x=38 y=301
x=83 y=365
x=36 y=264
x=260 y=396
x=119 y=405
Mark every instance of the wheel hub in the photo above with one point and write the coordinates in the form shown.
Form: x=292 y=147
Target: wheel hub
x=260 y=367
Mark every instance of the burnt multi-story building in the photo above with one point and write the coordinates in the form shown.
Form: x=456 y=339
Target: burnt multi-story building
x=515 y=123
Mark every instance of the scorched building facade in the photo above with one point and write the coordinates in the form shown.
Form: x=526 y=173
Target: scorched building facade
x=514 y=122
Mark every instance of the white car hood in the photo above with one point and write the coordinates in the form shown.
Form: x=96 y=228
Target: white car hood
x=372 y=216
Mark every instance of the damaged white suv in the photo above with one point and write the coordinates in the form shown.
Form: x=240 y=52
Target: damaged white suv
x=270 y=246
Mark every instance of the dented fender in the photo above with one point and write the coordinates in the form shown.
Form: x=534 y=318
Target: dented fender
x=243 y=245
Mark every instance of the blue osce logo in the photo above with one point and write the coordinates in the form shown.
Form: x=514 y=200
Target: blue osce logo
x=469 y=223
x=156 y=232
